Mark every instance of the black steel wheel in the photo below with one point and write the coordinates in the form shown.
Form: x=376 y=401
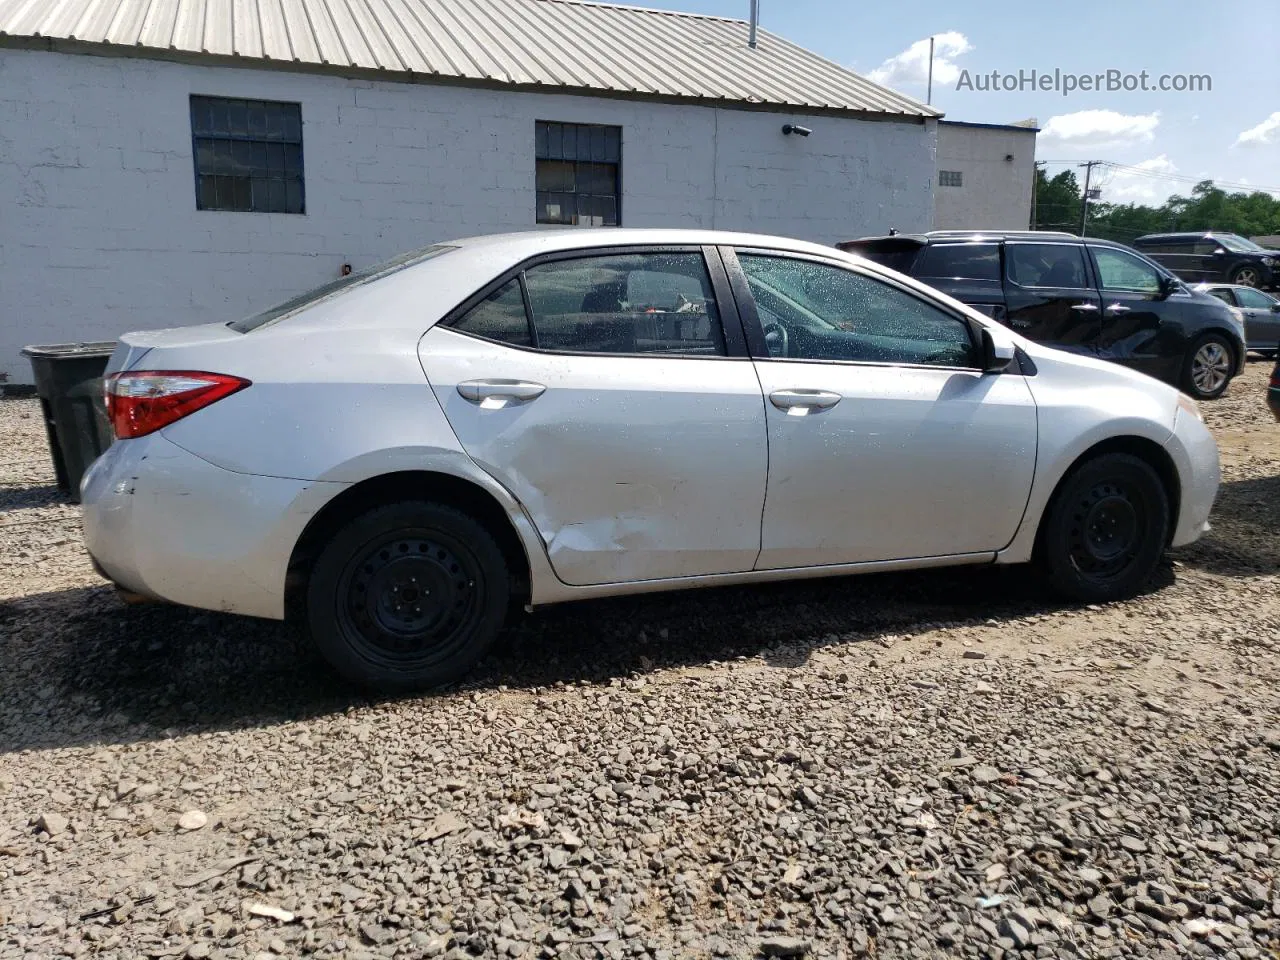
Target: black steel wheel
x=407 y=596
x=1106 y=529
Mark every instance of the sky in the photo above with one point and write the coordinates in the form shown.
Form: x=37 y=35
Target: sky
x=1164 y=141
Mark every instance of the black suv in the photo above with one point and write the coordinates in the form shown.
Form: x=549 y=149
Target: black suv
x=1213 y=258
x=1088 y=296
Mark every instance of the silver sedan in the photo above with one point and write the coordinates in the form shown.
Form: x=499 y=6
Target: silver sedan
x=403 y=458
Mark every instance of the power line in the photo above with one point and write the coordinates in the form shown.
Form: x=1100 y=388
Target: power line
x=1130 y=170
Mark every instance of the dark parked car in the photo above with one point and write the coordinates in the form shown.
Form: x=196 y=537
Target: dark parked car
x=1210 y=257
x=1261 y=314
x=1085 y=295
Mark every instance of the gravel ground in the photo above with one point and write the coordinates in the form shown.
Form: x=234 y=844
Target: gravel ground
x=907 y=765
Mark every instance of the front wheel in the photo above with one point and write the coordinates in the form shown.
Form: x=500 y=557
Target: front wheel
x=1206 y=371
x=1247 y=276
x=1106 y=529
x=407 y=596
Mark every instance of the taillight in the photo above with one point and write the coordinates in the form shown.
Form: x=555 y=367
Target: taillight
x=145 y=401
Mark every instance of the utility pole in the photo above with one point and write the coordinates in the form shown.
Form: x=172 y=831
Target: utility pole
x=928 y=97
x=1084 y=198
x=1035 y=182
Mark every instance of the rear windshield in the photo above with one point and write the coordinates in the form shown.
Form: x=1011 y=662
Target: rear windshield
x=894 y=254
x=336 y=287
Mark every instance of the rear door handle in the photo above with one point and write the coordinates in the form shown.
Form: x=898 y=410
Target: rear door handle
x=798 y=402
x=1085 y=307
x=500 y=393
x=1117 y=308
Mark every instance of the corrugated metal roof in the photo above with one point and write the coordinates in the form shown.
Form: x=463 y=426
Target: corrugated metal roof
x=562 y=44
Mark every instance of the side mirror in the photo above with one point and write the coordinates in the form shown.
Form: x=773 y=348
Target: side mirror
x=1219 y=251
x=998 y=352
x=1168 y=287
x=1275 y=308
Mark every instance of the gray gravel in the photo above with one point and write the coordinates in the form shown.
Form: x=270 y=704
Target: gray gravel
x=903 y=766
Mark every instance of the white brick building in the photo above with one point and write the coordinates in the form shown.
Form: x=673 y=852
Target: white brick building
x=986 y=172
x=413 y=129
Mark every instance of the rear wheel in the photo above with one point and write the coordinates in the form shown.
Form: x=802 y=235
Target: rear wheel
x=1206 y=370
x=407 y=596
x=1106 y=529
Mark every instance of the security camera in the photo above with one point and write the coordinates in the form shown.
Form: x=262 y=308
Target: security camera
x=799 y=131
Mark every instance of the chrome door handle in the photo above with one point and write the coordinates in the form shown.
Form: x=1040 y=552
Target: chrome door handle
x=1117 y=308
x=1085 y=307
x=799 y=402
x=500 y=393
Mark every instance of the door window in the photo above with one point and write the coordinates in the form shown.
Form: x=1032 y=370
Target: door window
x=626 y=303
x=1254 y=298
x=1226 y=296
x=818 y=311
x=500 y=316
x=1205 y=248
x=1118 y=270
x=1047 y=265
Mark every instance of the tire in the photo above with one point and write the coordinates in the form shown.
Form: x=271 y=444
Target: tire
x=1206 y=369
x=1105 y=530
x=1247 y=275
x=366 y=607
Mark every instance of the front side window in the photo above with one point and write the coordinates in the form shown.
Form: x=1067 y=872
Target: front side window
x=1203 y=248
x=1226 y=296
x=961 y=261
x=1118 y=270
x=1055 y=265
x=1254 y=299
x=819 y=311
x=248 y=155
x=626 y=303
x=578 y=173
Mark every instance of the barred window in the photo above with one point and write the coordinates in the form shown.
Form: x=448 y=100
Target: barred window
x=578 y=171
x=950 y=178
x=248 y=155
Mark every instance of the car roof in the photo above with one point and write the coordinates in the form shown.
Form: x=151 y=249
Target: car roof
x=530 y=243
x=1178 y=235
x=995 y=236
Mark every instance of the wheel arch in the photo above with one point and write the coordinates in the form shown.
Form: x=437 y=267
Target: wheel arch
x=1146 y=450
x=436 y=486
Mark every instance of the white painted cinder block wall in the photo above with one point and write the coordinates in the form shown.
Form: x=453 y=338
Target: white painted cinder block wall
x=996 y=194
x=99 y=232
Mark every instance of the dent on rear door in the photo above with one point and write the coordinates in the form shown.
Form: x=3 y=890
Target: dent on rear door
x=631 y=468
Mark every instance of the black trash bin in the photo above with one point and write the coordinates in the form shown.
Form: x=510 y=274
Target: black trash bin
x=69 y=382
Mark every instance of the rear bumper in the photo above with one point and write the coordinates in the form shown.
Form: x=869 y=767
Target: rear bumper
x=1195 y=454
x=162 y=522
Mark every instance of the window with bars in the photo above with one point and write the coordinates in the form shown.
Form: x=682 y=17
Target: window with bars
x=248 y=155
x=950 y=178
x=578 y=176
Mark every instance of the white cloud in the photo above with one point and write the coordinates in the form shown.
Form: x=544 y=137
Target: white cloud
x=1268 y=131
x=1123 y=186
x=911 y=66
x=1100 y=128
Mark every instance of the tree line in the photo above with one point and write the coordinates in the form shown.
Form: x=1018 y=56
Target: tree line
x=1058 y=199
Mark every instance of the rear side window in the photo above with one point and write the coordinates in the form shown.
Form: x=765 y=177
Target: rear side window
x=961 y=261
x=626 y=303
x=499 y=316
x=1055 y=265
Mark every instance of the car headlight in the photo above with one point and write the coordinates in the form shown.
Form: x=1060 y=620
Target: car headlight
x=1268 y=261
x=1190 y=406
